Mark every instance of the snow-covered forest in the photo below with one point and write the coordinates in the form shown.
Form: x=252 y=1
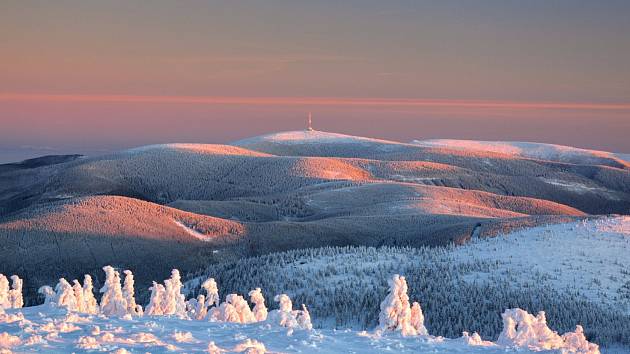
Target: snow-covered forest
x=555 y=268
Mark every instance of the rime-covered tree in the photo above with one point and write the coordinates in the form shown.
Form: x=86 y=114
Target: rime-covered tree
x=155 y=306
x=64 y=295
x=285 y=316
x=396 y=312
x=524 y=330
x=4 y=292
x=112 y=302
x=49 y=294
x=91 y=305
x=260 y=310
x=15 y=294
x=212 y=292
x=174 y=302
x=234 y=309
x=77 y=289
x=129 y=295
x=417 y=319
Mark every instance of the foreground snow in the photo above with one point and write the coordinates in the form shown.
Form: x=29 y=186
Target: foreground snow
x=46 y=329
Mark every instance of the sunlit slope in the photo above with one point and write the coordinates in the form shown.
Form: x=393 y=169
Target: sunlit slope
x=120 y=217
x=549 y=152
x=83 y=234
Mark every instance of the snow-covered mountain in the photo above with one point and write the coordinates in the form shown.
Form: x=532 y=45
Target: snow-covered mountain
x=190 y=205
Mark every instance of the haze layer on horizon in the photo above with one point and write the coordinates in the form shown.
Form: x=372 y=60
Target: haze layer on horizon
x=91 y=77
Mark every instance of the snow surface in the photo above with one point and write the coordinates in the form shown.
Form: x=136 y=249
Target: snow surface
x=47 y=329
x=311 y=137
x=625 y=157
x=590 y=257
x=541 y=151
x=192 y=232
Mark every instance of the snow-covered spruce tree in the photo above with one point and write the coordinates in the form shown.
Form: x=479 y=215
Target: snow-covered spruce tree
x=64 y=296
x=4 y=292
x=396 y=313
x=234 y=309
x=212 y=292
x=112 y=302
x=524 y=330
x=15 y=294
x=287 y=317
x=155 y=307
x=78 y=294
x=198 y=308
x=260 y=310
x=91 y=305
x=195 y=307
x=303 y=318
x=284 y=314
x=49 y=294
x=174 y=302
x=168 y=299
x=128 y=293
x=417 y=319
x=577 y=342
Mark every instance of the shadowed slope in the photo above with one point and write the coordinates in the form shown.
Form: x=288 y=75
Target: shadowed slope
x=398 y=199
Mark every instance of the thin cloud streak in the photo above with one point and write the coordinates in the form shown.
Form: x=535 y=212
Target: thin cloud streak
x=315 y=101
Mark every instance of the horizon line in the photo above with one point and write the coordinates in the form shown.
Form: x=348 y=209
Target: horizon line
x=314 y=100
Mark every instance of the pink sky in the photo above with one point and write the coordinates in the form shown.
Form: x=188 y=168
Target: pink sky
x=89 y=77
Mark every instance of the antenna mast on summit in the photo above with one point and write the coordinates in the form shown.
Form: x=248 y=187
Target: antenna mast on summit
x=309 y=122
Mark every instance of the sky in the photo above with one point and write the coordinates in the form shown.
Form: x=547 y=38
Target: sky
x=92 y=77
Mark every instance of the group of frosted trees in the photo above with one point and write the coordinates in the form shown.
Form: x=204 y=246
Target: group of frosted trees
x=397 y=313
x=11 y=296
x=167 y=299
x=520 y=329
